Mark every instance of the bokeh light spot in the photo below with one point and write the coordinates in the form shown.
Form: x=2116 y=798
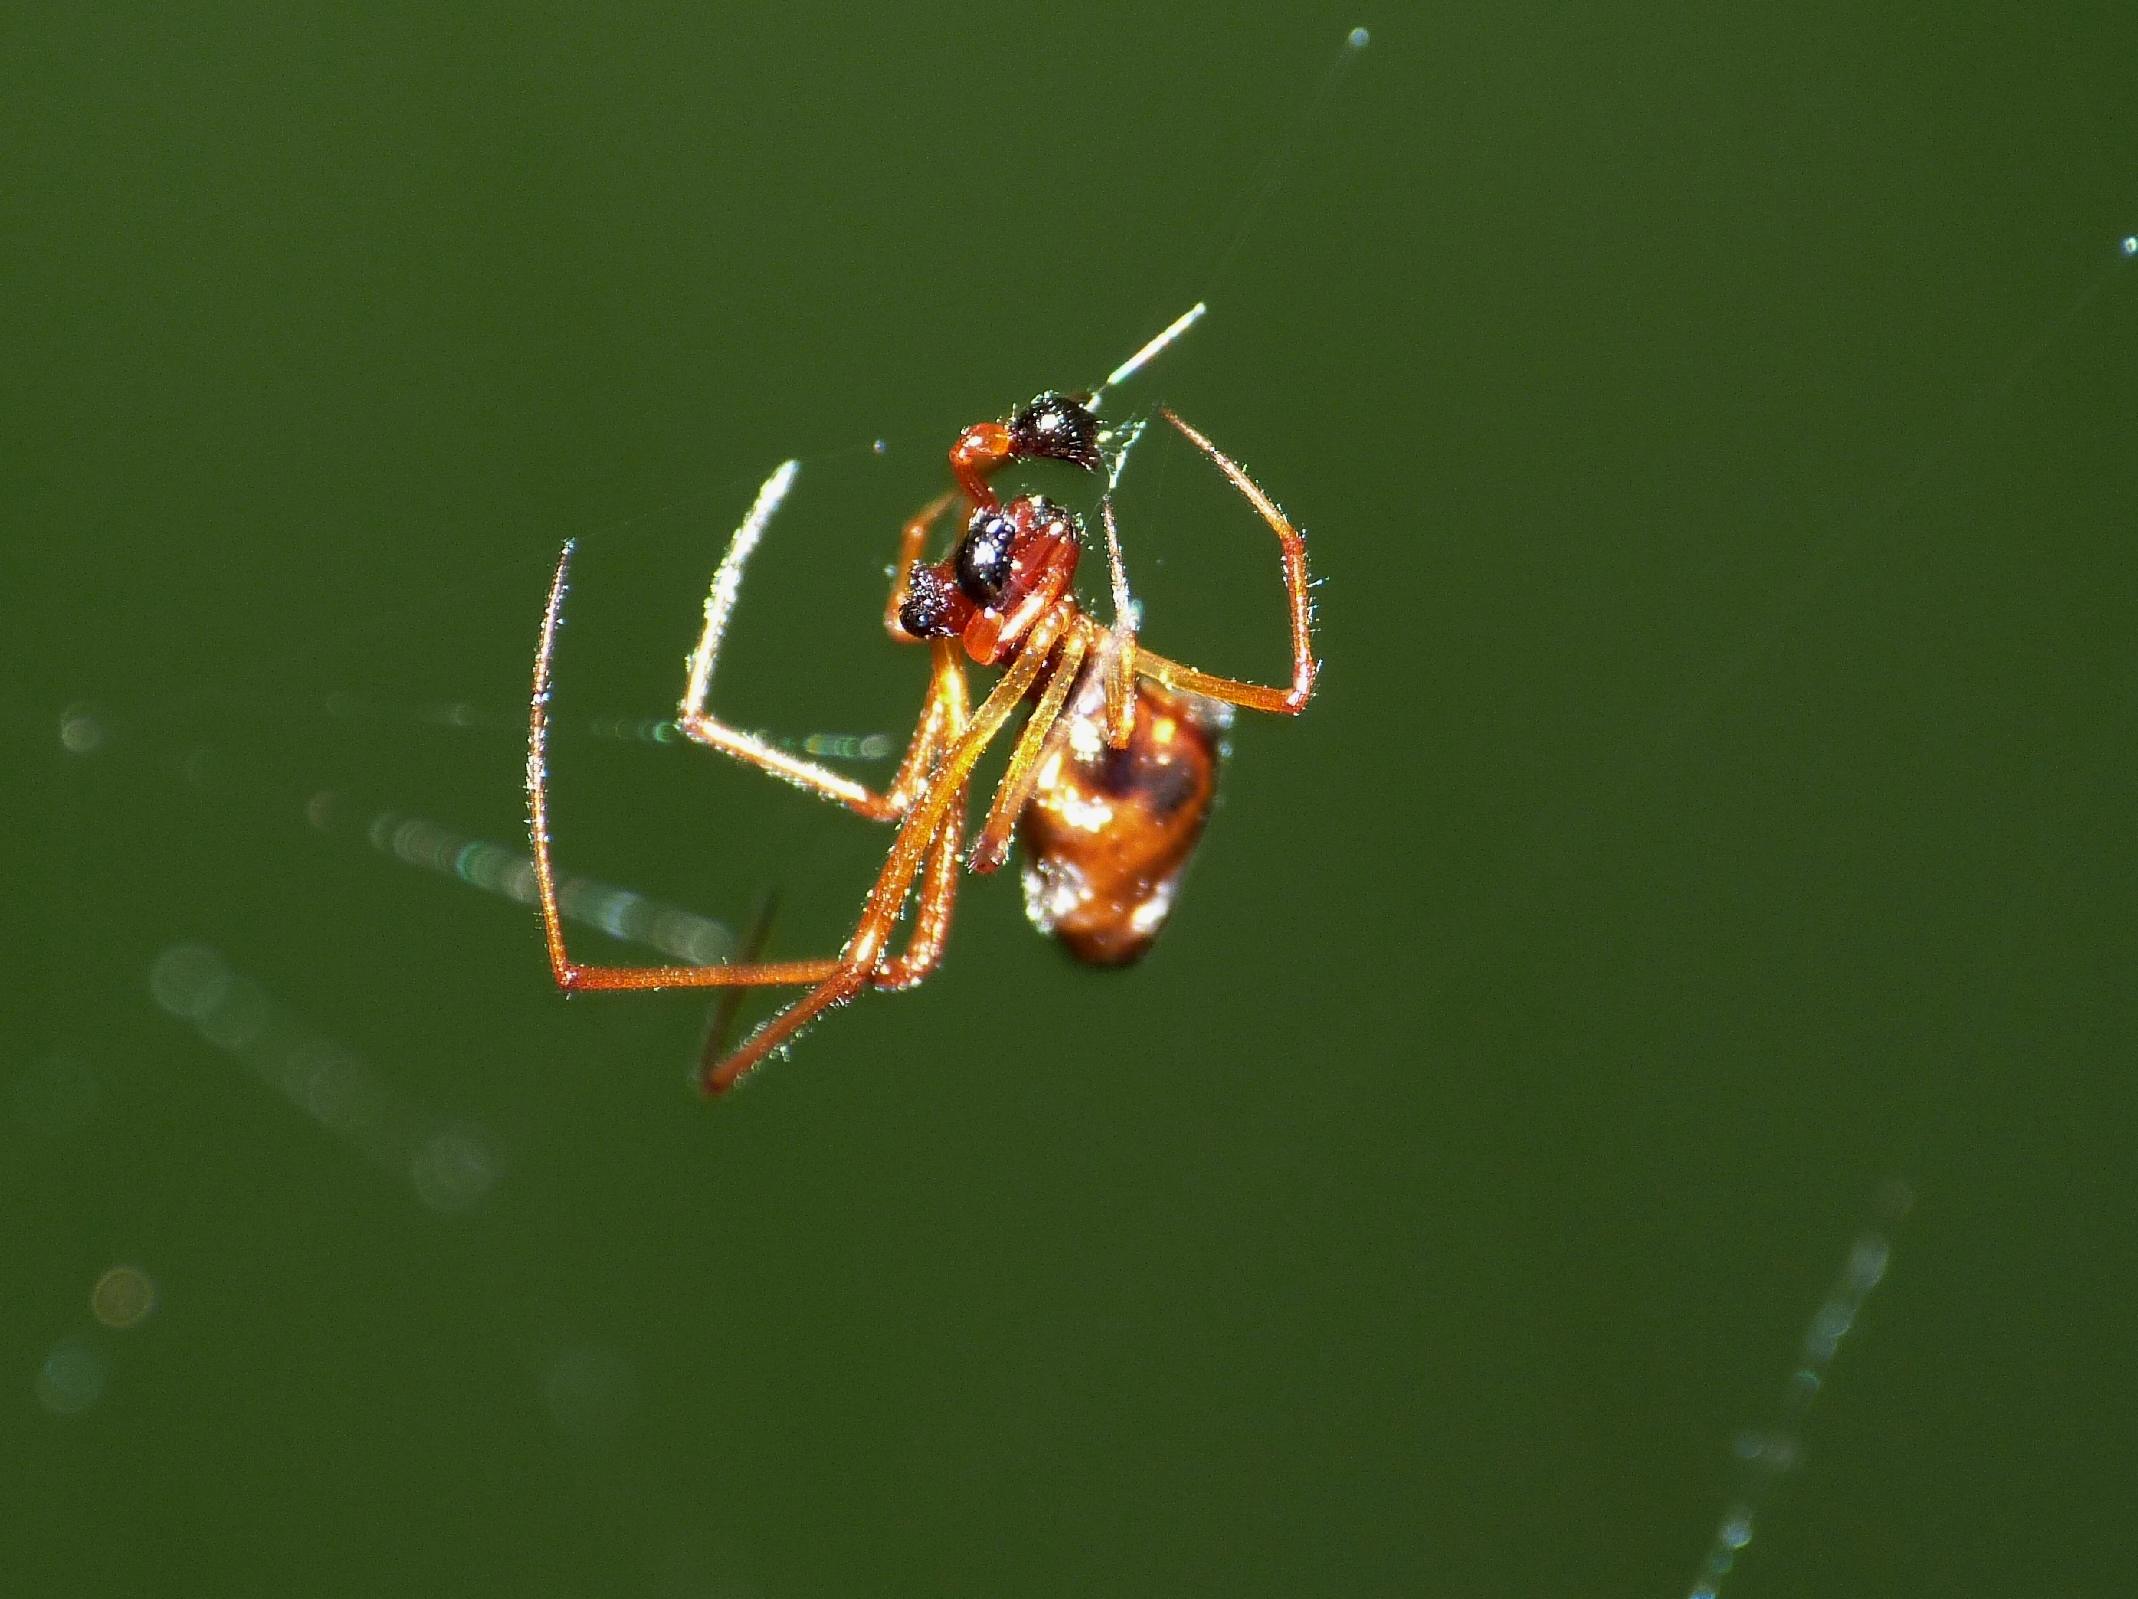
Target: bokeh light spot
x=453 y=1171
x=122 y=1297
x=81 y=730
x=239 y=1017
x=71 y=1378
x=189 y=980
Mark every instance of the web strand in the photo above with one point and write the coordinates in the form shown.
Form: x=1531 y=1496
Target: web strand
x=1286 y=155
x=1767 y=1455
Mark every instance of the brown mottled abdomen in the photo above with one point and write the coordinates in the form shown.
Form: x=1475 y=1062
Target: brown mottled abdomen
x=1108 y=832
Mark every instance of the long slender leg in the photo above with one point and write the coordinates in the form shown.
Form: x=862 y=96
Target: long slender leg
x=720 y=1018
x=939 y=877
x=835 y=990
x=931 y=924
x=931 y=916
x=1119 y=660
x=1292 y=545
x=707 y=729
x=930 y=815
x=992 y=845
x=813 y=776
x=569 y=974
x=914 y=835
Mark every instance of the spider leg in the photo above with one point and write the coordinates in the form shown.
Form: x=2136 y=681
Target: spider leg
x=720 y=1017
x=705 y=728
x=939 y=877
x=992 y=845
x=1119 y=659
x=931 y=818
x=568 y=974
x=951 y=710
x=930 y=925
x=1292 y=545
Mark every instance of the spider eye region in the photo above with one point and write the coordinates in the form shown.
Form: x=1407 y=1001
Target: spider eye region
x=1056 y=427
x=984 y=560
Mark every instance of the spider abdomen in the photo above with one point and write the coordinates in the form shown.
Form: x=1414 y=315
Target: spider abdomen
x=1108 y=832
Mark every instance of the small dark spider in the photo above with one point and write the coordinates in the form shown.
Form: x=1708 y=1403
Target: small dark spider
x=1111 y=776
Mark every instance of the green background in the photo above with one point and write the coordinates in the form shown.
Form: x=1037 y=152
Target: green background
x=1716 y=430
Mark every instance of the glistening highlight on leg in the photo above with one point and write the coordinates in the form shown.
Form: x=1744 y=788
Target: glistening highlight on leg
x=1292 y=546
x=935 y=829
x=993 y=844
x=931 y=925
x=569 y=974
x=705 y=728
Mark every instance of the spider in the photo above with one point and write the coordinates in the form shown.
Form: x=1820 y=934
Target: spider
x=1109 y=781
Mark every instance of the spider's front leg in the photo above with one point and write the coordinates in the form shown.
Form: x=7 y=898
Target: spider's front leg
x=1292 y=548
x=703 y=727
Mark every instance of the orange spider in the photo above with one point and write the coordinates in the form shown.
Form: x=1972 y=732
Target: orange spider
x=1110 y=779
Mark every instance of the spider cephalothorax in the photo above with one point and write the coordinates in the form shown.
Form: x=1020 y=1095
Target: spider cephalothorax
x=1013 y=560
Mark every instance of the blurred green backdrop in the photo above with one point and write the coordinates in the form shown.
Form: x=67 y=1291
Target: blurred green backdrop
x=1716 y=432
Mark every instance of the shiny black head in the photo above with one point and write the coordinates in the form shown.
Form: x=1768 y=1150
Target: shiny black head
x=927 y=612
x=1056 y=427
